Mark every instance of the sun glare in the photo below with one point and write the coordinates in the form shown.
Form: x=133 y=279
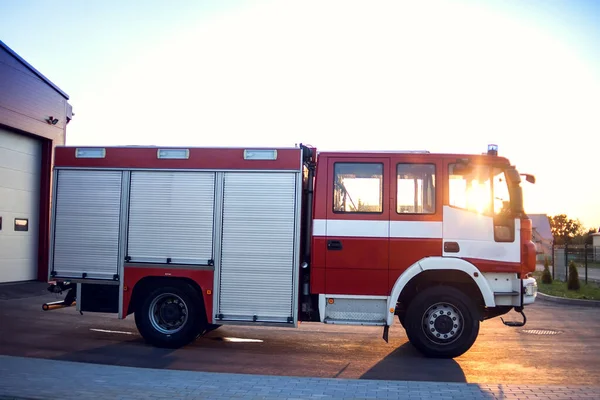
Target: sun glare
x=366 y=191
x=470 y=194
x=478 y=197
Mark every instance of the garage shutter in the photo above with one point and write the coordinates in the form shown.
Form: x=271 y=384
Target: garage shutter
x=86 y=233
x=258 y=258
x=20 y=162
x=171 y=217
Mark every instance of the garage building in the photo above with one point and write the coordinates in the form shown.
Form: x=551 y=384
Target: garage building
x=34 y=114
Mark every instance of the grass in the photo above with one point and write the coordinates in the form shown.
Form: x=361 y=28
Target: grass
x=589 y=291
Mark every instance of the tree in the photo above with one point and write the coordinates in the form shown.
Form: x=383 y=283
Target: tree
x=546 y=276
x=573 y=281
x=565 y=229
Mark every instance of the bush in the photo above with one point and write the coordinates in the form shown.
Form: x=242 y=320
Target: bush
x=573 y=283
x=546 y=276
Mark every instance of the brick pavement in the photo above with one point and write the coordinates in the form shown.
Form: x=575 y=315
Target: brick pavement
x=30 y=378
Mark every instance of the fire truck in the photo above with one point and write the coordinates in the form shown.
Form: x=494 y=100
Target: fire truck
x=190 y=239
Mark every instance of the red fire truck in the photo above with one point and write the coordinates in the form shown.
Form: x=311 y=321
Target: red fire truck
x=188 y=239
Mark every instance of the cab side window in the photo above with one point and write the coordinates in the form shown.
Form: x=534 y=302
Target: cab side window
x=358 y=188
x=416 y=189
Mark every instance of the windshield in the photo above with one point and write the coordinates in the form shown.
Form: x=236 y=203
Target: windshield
x=479 y=188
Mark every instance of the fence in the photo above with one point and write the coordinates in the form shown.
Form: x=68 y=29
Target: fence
x=586 y=257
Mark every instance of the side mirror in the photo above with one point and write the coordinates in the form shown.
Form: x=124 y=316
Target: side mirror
x=529 y=178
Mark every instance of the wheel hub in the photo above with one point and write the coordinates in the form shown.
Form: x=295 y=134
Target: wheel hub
x=442 y=323
x=168 y=313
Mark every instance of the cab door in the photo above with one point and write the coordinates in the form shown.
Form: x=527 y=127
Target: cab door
x=357 y=226
x=478 y=223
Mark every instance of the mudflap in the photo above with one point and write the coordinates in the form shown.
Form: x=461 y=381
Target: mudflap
x=516 y=323
x=386 y=331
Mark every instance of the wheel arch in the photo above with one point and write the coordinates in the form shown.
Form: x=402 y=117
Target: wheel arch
x=440 y=270
x=148 y=283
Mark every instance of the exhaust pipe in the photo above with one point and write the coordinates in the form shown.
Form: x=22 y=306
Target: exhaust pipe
x=54 y=305
x=58 y=288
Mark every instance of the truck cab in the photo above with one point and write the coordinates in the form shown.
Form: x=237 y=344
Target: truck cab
x=408 y=233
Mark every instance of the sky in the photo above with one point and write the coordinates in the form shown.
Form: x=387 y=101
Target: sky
x=442 y=76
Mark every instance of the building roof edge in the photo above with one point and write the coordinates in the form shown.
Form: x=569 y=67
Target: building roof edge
x=35 y=71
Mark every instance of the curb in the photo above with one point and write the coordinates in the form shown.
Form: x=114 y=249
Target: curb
x=563 y=300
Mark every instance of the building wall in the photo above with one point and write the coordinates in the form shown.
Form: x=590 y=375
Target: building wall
x=27 y=100
x=543 y=246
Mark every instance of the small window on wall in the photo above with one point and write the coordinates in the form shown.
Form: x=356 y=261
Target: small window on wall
x=358 y=188
x=21 y=224
x=416 y=189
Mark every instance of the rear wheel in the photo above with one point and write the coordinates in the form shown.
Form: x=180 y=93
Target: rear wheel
x=171 y=316
x=442 y=322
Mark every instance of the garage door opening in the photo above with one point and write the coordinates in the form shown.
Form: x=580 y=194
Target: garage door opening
x=20 y=174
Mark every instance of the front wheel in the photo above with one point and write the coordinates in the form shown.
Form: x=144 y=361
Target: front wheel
x=171 y=316
x=442 y=322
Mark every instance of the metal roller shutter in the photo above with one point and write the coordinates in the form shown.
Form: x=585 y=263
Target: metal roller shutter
x=258 y=242
x=171 y=217
x=87 y=217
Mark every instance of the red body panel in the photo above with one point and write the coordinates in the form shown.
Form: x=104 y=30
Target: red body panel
x=317 y=280
x=200 y=158
x=317 y=275
x=406 y=252
x=357 y=281
x=358 y=253
x=528 y=251
x=204 y=279
x=361 y=268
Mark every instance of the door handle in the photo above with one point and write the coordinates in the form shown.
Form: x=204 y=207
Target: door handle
x=334 y=245
x=451 y=247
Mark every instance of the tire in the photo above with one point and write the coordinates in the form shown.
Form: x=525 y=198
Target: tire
x=402 y=318
x=171 y=316
x=445 y=335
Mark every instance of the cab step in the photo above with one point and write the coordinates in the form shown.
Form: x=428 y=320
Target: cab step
x=516 y=323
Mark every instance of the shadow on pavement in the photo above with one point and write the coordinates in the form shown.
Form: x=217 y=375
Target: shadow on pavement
x=407 y=364
x=131 y=353
x=23 y=290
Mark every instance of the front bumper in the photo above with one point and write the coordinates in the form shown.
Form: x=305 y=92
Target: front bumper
x=530 y=289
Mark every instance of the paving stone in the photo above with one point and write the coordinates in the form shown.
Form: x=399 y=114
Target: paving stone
x=29 y=378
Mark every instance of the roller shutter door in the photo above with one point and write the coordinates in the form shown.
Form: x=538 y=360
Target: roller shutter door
x=20 y=173
x=86 y=224
x=258 y=258
x=171 y=217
